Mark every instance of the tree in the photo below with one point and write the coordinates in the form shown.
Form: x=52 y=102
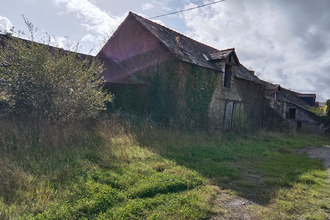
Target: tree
x=40 y=81
x=328 y=107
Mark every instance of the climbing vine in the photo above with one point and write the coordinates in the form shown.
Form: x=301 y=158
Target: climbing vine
x=200 y=87
x=176 y=93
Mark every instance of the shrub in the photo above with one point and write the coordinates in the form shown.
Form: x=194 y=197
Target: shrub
x=40 y=81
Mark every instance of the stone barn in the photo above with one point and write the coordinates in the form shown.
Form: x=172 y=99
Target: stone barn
x=294 y=108
x=157 y=72
x=174 y=79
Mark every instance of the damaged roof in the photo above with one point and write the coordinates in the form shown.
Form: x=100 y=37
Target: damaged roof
x=188 y=50
x=286 y=95
x=294 y=98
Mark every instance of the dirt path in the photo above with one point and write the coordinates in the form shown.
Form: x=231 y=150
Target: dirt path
x=235 y=207
x=322 y=152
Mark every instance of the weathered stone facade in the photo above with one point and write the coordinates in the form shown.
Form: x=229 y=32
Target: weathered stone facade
x=293 y=109
x=158 y=72
x=170 y=77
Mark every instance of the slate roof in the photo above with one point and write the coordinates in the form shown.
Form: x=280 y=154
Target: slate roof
x=220 y=54
x=188 y=50
x=291 y=97
x=242 y=73
x=286 y=95
x=183 y=47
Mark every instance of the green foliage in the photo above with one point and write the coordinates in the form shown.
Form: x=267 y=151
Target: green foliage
x=38 y=81
x=164 y=182
x=256 y=168
x=93 y=174
x=200 y=87
x=119 y=171
x=179 y=100
x=322 y=111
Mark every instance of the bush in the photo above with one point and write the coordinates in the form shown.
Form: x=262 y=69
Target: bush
x=39 y=81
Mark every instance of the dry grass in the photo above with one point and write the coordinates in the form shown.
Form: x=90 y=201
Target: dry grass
x=119 y=168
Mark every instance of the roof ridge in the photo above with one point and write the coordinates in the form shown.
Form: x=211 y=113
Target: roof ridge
x=145 y=19
x=228 y=49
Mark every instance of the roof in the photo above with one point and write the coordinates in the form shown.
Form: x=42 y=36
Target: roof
x=183 y=47
x=307 y=95
x=286 y=95
x=242 y=73
x=220 y=54
x=189 y=50
x=293 y=98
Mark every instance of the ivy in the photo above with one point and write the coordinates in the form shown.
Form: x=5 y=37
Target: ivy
x=172 y=97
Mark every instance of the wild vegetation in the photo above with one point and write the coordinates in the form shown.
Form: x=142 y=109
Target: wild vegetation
x=61 y=159
x=322 y=111
x=119 y=168
x=42 y=82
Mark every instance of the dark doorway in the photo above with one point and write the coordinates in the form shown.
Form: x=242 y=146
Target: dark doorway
x=292 y=113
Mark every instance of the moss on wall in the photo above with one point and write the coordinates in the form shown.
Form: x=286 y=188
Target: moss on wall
x=174 y=93
x=200 y=87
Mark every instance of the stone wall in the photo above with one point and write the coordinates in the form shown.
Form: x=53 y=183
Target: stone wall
x=304 y=120
x=223 y=101
x=173 y=92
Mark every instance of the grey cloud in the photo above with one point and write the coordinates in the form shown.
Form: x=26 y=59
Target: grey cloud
x=310 y=22
x=285 y=41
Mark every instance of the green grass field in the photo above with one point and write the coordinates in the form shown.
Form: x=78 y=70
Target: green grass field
x=114 y=170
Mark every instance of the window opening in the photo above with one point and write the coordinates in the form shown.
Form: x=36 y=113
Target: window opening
x=292 y=113
x=227 y=76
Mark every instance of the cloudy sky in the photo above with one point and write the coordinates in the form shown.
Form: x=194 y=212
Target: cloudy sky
x=284 y=41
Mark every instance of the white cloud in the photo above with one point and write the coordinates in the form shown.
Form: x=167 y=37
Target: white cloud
x=284 y=42
x=88 y=38
x=61 y=42
x=155 y=5
x=5 y=25
x=93 y=18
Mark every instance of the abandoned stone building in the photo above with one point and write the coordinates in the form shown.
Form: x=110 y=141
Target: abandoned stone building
x=294 y=108
x=160 y=73
x=157 y=71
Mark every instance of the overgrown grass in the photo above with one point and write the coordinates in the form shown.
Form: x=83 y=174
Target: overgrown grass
x=114 y=170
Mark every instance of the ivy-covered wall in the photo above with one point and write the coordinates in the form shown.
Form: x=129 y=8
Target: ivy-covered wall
x=128 y=97
x=188 y=96
x=173 y=93
x=200 y=87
